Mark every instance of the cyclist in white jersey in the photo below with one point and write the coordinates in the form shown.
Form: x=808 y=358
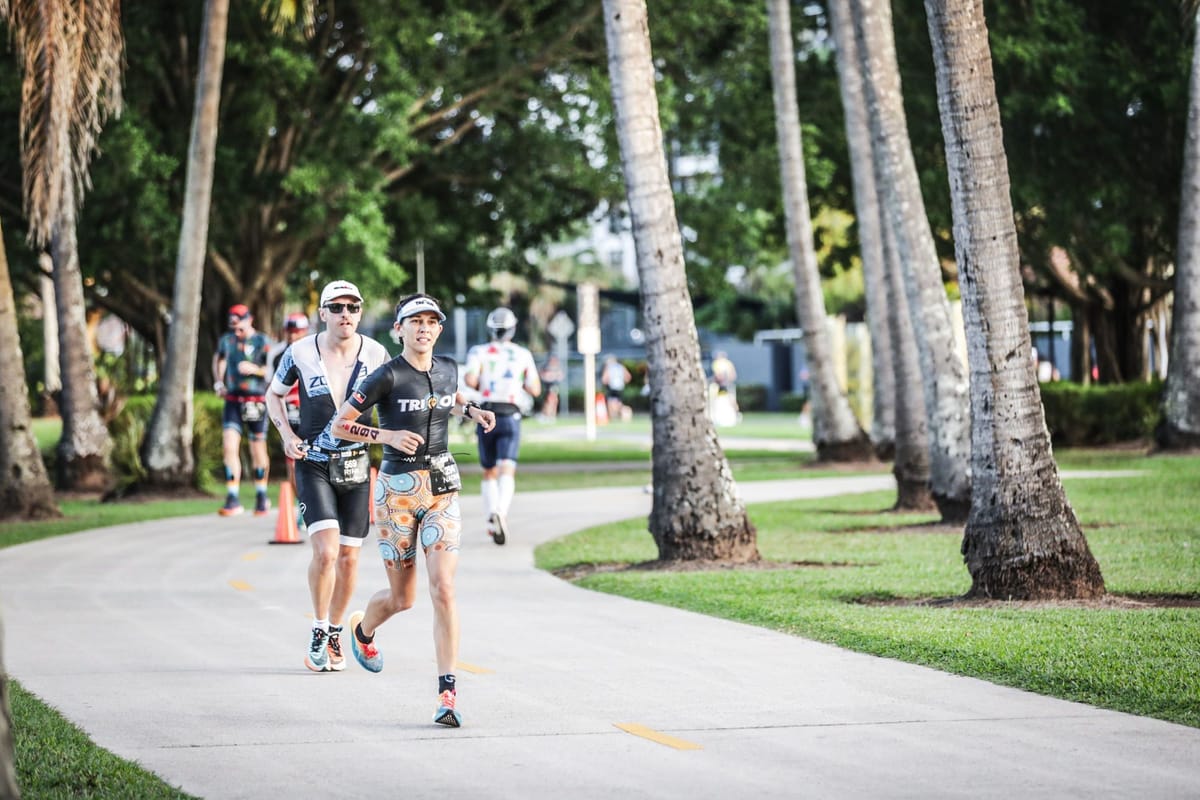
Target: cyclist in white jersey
x=504 y=374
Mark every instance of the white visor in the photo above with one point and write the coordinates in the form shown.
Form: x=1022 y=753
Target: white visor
x=419 y=305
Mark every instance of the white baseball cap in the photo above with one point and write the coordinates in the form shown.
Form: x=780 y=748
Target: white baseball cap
x=417 y=305
x=338 y=289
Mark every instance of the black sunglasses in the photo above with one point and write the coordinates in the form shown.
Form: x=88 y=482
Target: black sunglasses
x=338 y=308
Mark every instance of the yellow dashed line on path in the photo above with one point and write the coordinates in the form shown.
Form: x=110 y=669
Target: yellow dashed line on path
x=655 y=736
x=241 y=586
x=474 y=670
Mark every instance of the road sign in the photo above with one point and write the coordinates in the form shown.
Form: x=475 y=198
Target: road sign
x=560 y=326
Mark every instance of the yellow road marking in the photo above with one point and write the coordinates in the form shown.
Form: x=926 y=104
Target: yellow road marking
x=474 y=670
x=655 y=736
x=251 y=556
x=241 y=586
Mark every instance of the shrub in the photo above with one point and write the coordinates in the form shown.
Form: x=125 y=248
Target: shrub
x=752 y=397
x=1094 y=415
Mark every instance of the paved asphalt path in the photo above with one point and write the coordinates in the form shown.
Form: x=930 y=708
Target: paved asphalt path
x=178 y=644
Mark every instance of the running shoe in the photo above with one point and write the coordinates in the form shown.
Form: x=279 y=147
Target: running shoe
x=232 y=506
x=445 y=714
x=337 y=661
x=366 y=654
x=262 y=505
x=499 y=528
x=317 y=657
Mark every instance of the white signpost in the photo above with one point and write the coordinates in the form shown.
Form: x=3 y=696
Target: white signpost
x=587 y=341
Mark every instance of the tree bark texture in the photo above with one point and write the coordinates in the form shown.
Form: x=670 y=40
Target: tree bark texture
x=1181 y=425
x=167 y=449
x=836 y=432
x=910 y=464
x=870 y=234
x=8 y=769
x=25 y=490
x=1022 y=539
x=697 y=511
x=944 y=379
x=82 y=455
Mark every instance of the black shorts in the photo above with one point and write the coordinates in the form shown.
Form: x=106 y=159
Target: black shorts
x=326 y=506
x=232 y=418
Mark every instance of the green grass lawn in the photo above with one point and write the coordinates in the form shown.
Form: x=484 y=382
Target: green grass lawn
x=857 y=566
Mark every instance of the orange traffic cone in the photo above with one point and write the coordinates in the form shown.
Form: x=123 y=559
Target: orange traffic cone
x=285 y=523
x=601 y=409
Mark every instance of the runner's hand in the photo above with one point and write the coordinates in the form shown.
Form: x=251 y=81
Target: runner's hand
x=295 y=448
x=406 y=441
x=219 y=388
x=485 y=418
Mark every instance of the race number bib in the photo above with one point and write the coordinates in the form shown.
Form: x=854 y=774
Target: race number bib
x=348 y=469
x=443 y=474
x=253 y=411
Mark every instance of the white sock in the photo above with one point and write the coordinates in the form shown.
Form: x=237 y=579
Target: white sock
x=323 y=624
x=487 y=488
x=508 y=485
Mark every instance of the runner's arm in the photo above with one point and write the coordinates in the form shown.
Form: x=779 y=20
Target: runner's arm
x=468 y=410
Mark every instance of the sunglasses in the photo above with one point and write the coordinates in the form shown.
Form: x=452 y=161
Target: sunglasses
x=338 y=308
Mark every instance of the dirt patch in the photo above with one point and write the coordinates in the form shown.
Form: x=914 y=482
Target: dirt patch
x=137 y=494
x=1108 y=602
x=576 y=571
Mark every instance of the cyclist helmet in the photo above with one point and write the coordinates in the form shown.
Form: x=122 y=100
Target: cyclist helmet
x=502 y=323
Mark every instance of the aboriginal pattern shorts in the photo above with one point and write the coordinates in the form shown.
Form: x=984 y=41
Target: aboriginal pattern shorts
x=406 y=510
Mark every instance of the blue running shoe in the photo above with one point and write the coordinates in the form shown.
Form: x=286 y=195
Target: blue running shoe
x=365 y=653
x=317 y=657
x=445 y=714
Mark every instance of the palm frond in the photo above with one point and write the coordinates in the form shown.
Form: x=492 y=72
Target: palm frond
x=71 y=54
x=282 y=14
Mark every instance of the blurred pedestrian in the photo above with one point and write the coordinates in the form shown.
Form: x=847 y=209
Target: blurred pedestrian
x=552 y=376
x=614 y=377
x=240 y=375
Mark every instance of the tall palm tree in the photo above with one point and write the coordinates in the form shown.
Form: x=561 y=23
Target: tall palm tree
x=1181 y=425
x=870 y=231
x=944 y=379
x=836 y=431
x=1022 y=539
x=71 y=52
x=25 y=489
x=167 y=448
x=697 y=512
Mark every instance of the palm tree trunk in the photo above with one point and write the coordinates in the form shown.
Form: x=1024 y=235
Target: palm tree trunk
x=1181 y=424
x=697 y=511
x=944 y=379
x=1022 y=539
x=911 y=463
x=82 y=456
x=167 y=449
x=836 y=431
x=53 y=377
x=25 y=489
x=8 y=771
x=870 y=234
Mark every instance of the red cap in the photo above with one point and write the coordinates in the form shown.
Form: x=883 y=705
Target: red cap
x=240 y=311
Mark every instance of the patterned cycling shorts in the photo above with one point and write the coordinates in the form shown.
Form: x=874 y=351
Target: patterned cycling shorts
x=406 y=509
